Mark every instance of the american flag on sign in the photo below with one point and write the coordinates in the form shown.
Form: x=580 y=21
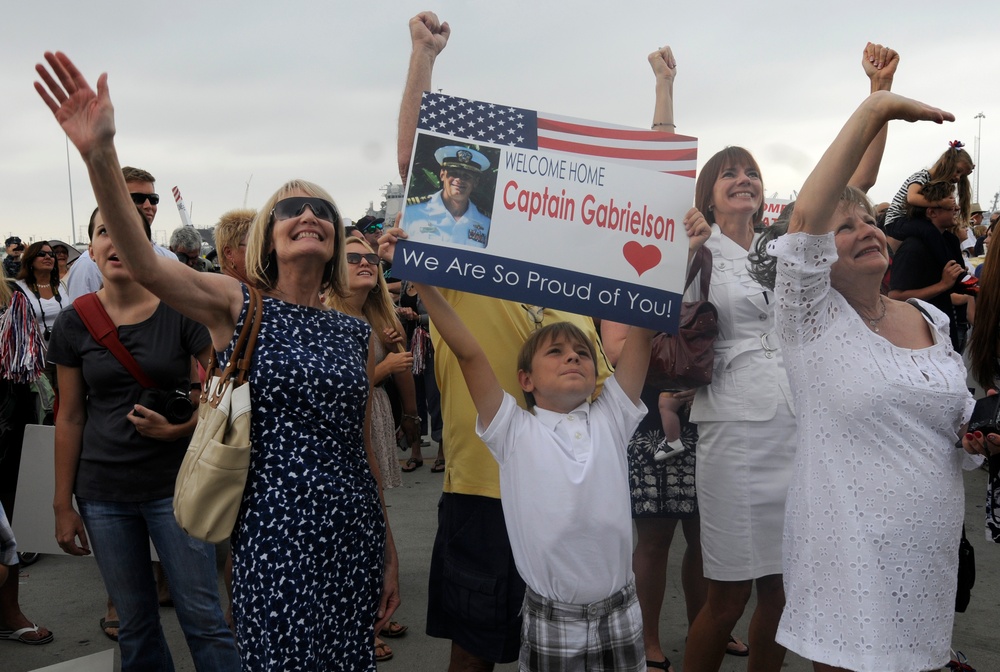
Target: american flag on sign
x=527 y=129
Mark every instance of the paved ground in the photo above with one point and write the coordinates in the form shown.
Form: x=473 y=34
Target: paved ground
x=65 y=594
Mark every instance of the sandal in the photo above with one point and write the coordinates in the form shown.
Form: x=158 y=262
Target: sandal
x=736 y=647
x=392 y=630
x=382 y=651
x=411 y=465
x=107 y=625
x=438 y=466
x=18 y=635
x=663 y=665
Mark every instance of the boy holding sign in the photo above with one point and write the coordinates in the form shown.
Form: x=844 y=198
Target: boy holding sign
x=568 y=459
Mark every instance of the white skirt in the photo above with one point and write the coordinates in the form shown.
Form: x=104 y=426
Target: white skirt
x=743 y=472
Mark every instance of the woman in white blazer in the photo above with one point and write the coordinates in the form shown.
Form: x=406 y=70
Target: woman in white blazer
x=746 y=428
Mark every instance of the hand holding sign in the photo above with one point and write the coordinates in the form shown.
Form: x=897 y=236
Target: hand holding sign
x=697 y=229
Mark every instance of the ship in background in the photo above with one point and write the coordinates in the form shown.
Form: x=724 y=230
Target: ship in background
x=391 y=205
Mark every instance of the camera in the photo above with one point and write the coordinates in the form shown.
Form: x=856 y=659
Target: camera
x=174 y=405
x=986 y=416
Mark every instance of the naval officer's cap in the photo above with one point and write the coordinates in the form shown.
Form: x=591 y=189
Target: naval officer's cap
x=454 y=156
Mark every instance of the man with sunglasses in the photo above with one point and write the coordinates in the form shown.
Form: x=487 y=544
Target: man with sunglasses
x=449 y=215
x=84 y=276
x=371 y=228
x=13 y=249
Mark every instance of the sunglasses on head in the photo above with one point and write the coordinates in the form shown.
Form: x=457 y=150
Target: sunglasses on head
x=46 y=253
x=354 y=258
x=139 y=199
x=294 y=206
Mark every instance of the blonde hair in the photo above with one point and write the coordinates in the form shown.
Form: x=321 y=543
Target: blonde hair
x=229 y=232
x=5 y=291
x=262 y=263
x=379 y=311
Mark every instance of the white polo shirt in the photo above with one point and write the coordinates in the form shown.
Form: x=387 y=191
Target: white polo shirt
x=565 y=493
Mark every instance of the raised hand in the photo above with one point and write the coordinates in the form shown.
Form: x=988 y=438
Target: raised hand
x=428 y=32
x=88 y=118
x=908 y=109
x=663 y=63
x=880 y=65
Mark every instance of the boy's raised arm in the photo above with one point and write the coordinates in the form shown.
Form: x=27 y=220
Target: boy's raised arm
x=630 y=371
x=482 y=382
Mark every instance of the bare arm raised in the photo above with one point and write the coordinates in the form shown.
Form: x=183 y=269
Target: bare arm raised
x=429 y=36
x=664 y=66
x=817 y=202
x=879 y=64
x=484 y=388
x=88 y=119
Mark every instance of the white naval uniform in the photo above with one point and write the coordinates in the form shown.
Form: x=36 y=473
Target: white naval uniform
x=431 y=222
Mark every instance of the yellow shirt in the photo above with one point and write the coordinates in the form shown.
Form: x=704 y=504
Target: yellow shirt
x=501 y=328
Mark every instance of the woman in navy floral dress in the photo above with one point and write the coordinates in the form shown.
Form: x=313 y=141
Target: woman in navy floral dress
x=312 y=553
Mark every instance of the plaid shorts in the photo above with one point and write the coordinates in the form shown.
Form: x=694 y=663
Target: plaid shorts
x=600 y=636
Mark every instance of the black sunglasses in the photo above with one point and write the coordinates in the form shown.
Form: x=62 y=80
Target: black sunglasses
x=294 y=206
x=354 y=258
x=139 y=199
x=44 y=253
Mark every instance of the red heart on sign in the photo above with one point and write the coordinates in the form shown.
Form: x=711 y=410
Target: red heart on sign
x=642 y=258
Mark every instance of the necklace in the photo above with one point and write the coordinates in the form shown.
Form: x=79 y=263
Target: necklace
x=43 y=286
x=873 y=322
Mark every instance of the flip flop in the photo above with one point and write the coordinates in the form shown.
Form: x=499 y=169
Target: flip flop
x=663 y=665
x=393 y=630
x=382 y=652
x=412 y=464
x=105 y=624
x=741 y=650
x=18 y=636
x=438 y=466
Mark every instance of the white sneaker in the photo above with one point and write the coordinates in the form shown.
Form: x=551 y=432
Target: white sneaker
x=667 y=450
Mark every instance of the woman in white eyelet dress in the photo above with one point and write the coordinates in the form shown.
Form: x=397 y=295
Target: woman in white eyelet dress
x=876 y=503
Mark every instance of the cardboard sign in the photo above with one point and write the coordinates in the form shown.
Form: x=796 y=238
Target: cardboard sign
x=34 y=521
x=548 y=211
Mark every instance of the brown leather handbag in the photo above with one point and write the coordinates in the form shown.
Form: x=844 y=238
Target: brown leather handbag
x=685 y=360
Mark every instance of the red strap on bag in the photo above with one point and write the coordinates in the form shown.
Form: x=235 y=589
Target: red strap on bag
x=99 y=324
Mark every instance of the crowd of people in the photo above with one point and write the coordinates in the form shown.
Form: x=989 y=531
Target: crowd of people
x=819 y=470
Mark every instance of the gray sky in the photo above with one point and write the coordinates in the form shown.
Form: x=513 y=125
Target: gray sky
x=209 y=93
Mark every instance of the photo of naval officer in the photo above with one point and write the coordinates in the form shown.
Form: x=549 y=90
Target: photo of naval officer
x=449 y=215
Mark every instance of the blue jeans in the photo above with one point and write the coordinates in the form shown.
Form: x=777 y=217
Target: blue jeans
x=119 y=536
